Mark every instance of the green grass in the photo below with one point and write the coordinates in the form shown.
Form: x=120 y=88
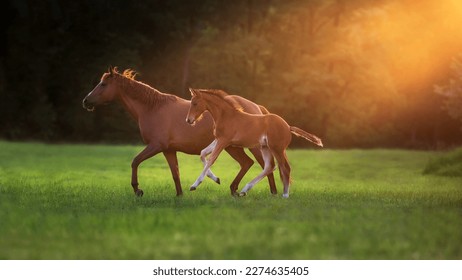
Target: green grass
x=76 y=202
x=449 y=164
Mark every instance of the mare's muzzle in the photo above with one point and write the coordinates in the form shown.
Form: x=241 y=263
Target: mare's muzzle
x=88 y=105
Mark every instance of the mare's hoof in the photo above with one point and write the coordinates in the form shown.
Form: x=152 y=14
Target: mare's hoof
x=218 y=181
x=285 y=195
x=139 y=193
x=241 y=194
x=192 y=188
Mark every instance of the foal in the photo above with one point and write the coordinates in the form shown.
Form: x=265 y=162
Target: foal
x=233 y=127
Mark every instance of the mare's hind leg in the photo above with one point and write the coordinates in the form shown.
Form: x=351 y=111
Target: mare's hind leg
x=244 y=161
x=258 y=156
x=284 y=171
x=269 y=167
x=148 y=152
x=204 y=153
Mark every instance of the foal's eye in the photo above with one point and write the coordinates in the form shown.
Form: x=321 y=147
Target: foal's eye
x=103 y=84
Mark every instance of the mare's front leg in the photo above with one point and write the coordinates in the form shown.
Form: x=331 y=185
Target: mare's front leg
x=220 y=145
x=148 y=152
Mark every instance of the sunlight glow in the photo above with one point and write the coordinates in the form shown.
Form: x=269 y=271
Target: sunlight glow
x=421 y=37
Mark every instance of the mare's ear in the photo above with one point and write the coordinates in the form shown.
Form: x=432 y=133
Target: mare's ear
x=193 y=92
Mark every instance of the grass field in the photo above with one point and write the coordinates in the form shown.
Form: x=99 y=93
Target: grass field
x=76 y=202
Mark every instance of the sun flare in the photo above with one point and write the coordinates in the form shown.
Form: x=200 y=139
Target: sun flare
x=421 y=37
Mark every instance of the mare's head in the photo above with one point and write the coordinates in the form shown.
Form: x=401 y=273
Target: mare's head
x=197 y=108
x=104 y=92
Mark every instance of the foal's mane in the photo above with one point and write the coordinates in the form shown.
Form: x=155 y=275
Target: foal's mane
x=222 y=95
x=139 y=90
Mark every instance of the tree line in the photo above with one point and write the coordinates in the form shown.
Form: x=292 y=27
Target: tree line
x=357 y=73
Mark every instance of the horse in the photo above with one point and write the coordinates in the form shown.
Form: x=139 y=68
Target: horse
x=234 y=127
x=160 y=118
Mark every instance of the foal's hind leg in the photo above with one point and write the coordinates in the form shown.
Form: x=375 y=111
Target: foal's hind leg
x=258 y=156
x=269 y=167
x=284 y=171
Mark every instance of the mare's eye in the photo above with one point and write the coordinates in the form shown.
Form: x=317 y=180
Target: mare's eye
x=194 y=104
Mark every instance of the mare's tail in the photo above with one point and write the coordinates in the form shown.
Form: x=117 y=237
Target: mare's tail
x=308 y=136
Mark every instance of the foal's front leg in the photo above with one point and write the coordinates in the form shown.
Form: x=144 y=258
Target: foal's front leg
x=219 y=146
x=204 y=153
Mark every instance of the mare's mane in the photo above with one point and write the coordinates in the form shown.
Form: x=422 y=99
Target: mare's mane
x=222 y=95
x=140 y=91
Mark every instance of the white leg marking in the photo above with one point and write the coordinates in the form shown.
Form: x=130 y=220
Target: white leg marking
x=204 y=153
x=208 y=150
x=199 y=179
x=266 y=170
x=215 y=153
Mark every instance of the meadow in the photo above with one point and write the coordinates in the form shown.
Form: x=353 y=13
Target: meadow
x=76 y=202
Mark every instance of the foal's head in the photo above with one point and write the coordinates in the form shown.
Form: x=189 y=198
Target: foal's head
x=104 y=92
x=197 y=107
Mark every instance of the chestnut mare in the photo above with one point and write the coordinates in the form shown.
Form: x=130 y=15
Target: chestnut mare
x=161 y=121
x=234 y=127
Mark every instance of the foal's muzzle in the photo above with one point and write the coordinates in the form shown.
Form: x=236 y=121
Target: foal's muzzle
x=190 y=121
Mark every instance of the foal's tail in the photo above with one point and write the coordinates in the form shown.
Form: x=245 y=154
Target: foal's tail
x=308 y=136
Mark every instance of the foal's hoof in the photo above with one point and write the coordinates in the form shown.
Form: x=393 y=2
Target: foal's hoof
x=139 y=193
x=241 y=194
x=192 y=188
